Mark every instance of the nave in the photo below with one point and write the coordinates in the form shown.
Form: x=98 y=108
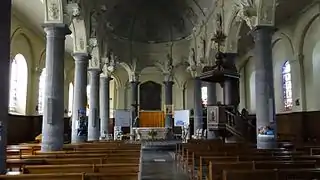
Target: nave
x=197 y=159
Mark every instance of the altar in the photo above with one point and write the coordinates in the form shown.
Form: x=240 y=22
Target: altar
x=150 y=133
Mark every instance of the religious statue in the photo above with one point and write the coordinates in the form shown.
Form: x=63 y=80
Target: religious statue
x=192 y=57
x=247 y=11
x=93 y=23
x=203 y=47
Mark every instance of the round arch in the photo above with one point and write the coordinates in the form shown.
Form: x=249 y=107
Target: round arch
x=18 y=85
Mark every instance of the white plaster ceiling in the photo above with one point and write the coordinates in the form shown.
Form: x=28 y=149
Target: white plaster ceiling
x=31 y=14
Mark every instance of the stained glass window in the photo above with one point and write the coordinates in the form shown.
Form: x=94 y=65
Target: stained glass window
x=70 y=100
x=41 y=91
x=287 y=86
x=88 y=98
x=204 y=95
x=18 y=84
x=13 y=86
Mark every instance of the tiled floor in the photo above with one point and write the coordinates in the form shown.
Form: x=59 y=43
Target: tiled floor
x=159 y=165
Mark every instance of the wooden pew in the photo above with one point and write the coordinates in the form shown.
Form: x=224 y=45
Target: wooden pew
x=72 y=176
x=82 y=168
x=107 y=160
x=276 y=174
x=216 y=168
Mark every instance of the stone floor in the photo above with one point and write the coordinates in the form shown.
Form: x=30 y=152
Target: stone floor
x=160 y=165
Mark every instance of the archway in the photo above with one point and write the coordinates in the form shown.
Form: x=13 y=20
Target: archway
x=18 y=85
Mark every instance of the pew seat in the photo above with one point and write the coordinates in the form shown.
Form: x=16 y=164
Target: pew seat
x=272 y=174
x=82 y=168
x=72 y=176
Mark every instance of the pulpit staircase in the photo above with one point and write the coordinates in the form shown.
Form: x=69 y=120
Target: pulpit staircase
x=238 y=127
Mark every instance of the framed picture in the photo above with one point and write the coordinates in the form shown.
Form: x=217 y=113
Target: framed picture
x=168 y=109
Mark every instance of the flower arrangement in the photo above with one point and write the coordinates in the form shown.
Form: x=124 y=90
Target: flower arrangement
x=152 y=133
x=266 y=130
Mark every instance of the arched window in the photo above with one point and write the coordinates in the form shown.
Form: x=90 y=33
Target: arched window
x=41 y=91
x=18 y=85
x=287 y=86
x=204 y=95
x=70 y=100
x=88 y=97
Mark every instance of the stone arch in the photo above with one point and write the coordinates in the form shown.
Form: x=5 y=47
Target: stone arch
x=282 y=52
x=233 y=31
x=79 y=33
x=300 y=34
x=26 y=49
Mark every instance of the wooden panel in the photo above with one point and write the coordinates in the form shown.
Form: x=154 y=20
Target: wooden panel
x=151 y=119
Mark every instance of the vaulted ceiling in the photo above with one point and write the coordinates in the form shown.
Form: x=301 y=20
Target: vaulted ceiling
x=156 y=21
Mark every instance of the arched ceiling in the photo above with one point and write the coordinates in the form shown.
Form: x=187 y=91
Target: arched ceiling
x=155 y=20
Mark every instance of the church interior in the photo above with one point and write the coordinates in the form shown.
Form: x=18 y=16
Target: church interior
x=159 y=89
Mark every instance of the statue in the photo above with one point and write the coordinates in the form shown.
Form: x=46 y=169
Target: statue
x=93 y=24
x=192 y=58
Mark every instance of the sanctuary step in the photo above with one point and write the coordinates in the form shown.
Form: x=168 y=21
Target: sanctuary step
x=160 y=165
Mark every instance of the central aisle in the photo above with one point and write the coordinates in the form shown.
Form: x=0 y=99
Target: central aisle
x=160 y=165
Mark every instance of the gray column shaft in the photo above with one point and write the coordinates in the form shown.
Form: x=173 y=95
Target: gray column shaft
x=265 y=104
x=104 y=104
x=93 y=122
x=212 y=100
x=231 y=92
x=227 y=93
x=212 y=94
x=198 y=119
x=134 y=102
x=80 y=93
x=53 y=114
x=168 y=101
x=5 y=31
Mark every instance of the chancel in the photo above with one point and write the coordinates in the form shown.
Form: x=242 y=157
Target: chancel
x=162 y=89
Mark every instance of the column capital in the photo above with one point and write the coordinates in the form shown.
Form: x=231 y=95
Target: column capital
x=94 y=70
x=168 y=82
x=56 y=29
x=81 y=57
x=135 y=82
x=107 y=78
x=268 y=30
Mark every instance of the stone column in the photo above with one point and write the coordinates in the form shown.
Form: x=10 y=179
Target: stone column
x=134 y=103
x=212 y=94
x=80 y=92
x=265 y=104
x=104 y=104
x=231 y=86
x=168 y=101
x=198 y=119
x=5 y=31
x=212 y=100
x=94 y=120
x=53 y=114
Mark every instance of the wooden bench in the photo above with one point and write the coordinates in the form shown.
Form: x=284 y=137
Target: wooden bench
x=82 y=168
x=72 y=176
x=98 y=160
x=276 y=174
x=216 y=168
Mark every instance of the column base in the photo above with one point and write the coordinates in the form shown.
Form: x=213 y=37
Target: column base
x=266 y=142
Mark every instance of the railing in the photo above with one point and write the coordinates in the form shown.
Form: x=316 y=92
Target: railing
x=234 y=118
